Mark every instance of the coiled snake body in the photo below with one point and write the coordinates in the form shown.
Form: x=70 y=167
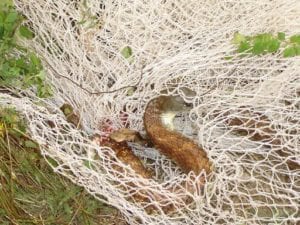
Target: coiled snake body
x=158 y=118
x=180 y=149
x=158 y=122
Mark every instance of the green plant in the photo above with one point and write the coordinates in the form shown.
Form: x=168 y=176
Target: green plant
x=126 y=52
x=31 y=193
x=18 y=66
x=10 y=123
x=264 y=43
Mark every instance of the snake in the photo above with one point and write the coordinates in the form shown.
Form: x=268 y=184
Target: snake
x=183 y=151
x=158 y=122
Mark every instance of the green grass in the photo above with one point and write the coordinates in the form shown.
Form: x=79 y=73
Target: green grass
x=31 y=193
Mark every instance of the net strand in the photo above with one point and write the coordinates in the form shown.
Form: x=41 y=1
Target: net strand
x=180 y=44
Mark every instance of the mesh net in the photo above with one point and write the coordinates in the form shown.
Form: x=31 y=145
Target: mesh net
x=248 y=124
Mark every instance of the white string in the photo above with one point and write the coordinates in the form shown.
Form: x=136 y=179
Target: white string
x=183 y=44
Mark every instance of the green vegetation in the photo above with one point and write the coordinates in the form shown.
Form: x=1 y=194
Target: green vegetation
x=264 y=43
x=31 y=193
x=19 y=67
x=126 y=52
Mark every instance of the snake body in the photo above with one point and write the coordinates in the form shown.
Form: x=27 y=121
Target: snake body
x=158 y=122
x=180 y=149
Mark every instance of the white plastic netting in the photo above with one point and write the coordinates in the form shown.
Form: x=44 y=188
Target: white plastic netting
x=249 y=124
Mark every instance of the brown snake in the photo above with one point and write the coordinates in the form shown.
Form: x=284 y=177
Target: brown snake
x=180 y=149
x=158 y=120
x=183 y=151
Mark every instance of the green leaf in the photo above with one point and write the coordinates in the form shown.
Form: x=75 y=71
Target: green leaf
x=273 y=45
x=258 y=47
x=265 y=37
x=4 y=3
x=290 y=52
x=295 y=39
x=34 y=59
x=44 y=91
x=31 y=144
x=21 y=63
x=126 y=52
x=11 y=17
x=281 y=36
x=8 y=29
x=297 y=48
x=14 y=72
x=8 y=73
x=244 y=46
x=26 y=32
x=28 y=81
x=238 y=38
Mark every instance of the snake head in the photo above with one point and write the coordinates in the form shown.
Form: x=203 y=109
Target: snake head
x=175 y=104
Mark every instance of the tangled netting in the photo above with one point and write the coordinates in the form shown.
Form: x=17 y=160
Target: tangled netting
x=246 y=111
